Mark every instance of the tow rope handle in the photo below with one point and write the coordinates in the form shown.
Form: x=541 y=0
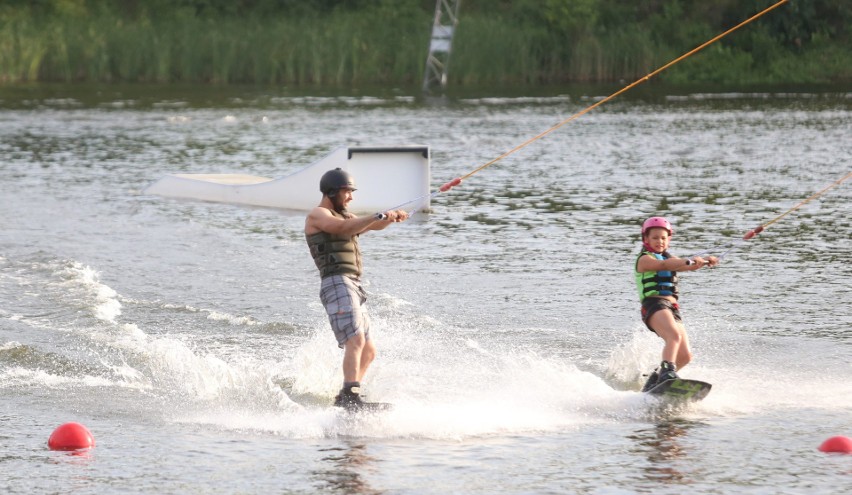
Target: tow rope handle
x=446 y=187
x=753 y=232
x=449 y=185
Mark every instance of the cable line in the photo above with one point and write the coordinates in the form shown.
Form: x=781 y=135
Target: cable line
x=449 y=185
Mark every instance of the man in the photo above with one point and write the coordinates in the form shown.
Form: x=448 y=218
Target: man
x=332 y=234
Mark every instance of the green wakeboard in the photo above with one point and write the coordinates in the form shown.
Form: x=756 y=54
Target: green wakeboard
x=680 y=389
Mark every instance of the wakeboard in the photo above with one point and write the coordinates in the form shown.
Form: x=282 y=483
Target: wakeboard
x=680 y=389
x=367 y=407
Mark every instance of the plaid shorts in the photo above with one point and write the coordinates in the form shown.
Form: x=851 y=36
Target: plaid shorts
x=345 y=302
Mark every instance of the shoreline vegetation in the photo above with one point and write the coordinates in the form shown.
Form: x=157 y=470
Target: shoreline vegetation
x=351 y=43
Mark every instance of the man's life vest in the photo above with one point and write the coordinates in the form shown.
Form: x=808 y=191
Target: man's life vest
x=334 y=254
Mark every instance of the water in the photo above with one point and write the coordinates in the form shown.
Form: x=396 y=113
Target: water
x=189 y=336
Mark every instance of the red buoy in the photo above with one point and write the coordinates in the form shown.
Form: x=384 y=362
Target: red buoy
x=71 y=436
x=839 y=444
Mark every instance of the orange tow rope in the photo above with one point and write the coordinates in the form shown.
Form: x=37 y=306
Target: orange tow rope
x=814 y=196
x=757 y=230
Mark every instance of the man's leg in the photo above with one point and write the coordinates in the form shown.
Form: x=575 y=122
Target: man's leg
x=354 y=365
x=368 y=353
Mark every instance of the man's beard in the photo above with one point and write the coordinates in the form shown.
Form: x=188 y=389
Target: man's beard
x=338 y=205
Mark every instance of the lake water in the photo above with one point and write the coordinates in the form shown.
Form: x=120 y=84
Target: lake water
x=190 y=339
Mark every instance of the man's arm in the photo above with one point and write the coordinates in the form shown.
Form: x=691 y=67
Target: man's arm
x=321 y=220
x=391 y=216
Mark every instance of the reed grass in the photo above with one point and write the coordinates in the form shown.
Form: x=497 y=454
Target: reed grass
x=347 y=49
x=536 y=57
x=334 y=51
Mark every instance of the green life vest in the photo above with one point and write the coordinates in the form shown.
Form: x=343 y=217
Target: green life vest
x=662 y=283
x=334 y=254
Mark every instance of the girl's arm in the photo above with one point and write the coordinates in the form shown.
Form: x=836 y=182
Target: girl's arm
x=648 y=263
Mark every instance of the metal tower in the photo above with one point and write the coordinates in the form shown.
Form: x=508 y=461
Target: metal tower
x=446 y=19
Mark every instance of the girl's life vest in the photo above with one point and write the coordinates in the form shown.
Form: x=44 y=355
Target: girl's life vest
x=662 y=283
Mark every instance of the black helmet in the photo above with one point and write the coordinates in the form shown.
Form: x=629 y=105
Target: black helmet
x=336 y=179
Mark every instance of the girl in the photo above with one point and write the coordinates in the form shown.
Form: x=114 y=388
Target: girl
x=656 y=279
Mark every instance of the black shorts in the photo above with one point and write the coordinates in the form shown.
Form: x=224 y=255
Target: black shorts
x=653 y=304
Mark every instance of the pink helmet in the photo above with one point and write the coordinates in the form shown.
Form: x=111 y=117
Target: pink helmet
x=656 y=222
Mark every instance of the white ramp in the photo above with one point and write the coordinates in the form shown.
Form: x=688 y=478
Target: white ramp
x=386 y=177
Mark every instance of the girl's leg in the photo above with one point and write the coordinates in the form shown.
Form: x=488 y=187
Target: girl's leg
x=676 y=349
x=684 y=353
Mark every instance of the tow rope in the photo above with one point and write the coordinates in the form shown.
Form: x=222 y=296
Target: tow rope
x=449 y=185
x=760 y=228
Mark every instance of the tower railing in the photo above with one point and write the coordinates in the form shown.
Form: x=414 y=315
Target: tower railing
x=440 y=45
